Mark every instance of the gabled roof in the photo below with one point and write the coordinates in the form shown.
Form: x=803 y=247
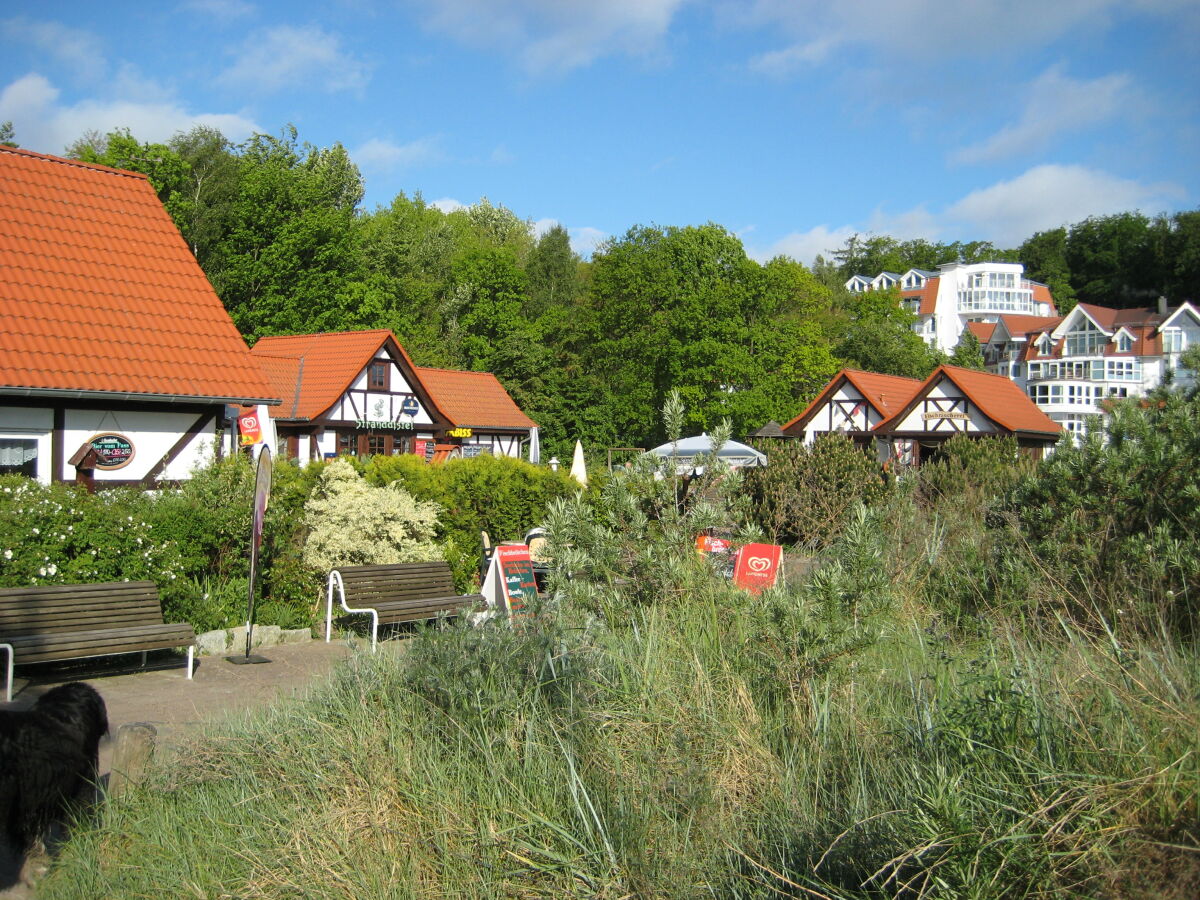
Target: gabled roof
x=982 y=330
x=886 y=393
x=1017 y=324
x=312 y=371
x=473 y=399
x=100 y=295
x=994 y=396
x=927 y=294
x=1184 y=308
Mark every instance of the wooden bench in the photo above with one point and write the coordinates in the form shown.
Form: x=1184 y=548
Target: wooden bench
x=80 y=621
x=401 y=592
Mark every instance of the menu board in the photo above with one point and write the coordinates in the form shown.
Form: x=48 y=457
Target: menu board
x=113 y=451
x=509 y=583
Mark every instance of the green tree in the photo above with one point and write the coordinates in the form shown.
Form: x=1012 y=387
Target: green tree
x=8 y=137
x=967 y=353
x=879 y=337
x=553 y=272
x=1045 y=258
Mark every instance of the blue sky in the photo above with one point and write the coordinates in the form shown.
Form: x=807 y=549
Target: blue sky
x=793 y=123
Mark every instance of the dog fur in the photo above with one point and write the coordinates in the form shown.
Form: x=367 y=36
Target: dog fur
x=48 y=762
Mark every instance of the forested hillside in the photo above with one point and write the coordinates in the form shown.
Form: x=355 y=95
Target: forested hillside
x=588 y=348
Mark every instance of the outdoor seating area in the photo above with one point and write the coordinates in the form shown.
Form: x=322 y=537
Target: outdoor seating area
x=389 y=594
x=82 y=621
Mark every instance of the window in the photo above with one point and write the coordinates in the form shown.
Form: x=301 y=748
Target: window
x=1123 y=370
x=377 y=376
x=1124 y=344
x=1174 y=340
x=1086 y=340
x=18 y=456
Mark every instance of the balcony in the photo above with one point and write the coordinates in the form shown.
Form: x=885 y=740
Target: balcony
x=1093 y=370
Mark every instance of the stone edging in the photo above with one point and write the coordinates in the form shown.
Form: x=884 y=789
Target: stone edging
x=215 y=643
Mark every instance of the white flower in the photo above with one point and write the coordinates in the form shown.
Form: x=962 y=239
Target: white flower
x=42 y=571
x=36 y=530
x=8 y=554
x=53 y=570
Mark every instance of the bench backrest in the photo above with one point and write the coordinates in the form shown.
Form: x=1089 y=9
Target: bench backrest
x=78 y=607
x=400 y=581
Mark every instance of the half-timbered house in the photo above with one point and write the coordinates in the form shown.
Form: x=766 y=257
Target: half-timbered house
x=853 y=404
x=358 y=393
x=118 y=362
x=954 y=401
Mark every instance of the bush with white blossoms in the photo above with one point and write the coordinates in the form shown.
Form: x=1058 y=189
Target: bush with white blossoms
x=59 y=534
x=354 y=523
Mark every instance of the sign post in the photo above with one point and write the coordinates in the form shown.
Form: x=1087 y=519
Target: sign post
x=262 y=494
x=509 y=583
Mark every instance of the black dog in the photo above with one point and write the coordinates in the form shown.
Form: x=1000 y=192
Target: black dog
x=48 y=762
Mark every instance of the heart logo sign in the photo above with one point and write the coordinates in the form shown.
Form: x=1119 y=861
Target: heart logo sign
x=759 y=563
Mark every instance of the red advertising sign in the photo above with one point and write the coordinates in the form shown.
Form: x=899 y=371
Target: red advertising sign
x=706 y=543
x=250 y=428
x=757 y=566
x=516 y=576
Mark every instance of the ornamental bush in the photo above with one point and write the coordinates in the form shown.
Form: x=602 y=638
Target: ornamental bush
x=804 y=495
x=59 y=534
x=351 y=522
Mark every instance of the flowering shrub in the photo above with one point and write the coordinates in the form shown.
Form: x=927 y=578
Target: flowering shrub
x=59 y=534
x=353 y=523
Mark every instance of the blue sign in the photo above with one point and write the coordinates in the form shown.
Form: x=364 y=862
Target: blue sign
x=409 y=406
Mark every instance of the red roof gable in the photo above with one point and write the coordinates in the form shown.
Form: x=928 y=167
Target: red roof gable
x=995 y=396
x=982 y=330
x=312 y=371
x=473 y=399
x=100 y=294
x=886 y=393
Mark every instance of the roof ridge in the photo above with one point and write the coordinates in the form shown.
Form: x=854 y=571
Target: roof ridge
x=77 y=163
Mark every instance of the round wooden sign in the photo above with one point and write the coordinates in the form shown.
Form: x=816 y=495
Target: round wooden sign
x=113 y=451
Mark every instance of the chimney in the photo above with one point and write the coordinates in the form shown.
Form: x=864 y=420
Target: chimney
x=1162 y=306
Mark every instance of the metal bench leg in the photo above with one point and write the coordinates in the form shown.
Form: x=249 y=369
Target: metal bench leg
x=8 y=689
x=191 y=661
x=144 y=652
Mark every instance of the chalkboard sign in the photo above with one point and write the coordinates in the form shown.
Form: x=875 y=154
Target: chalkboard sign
x=113 y=451
x=516 y=571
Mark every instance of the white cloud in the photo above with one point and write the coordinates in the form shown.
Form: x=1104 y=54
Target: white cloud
x=804 y=246
x=447 y=204
x=923 y=30
x=1049 y=196
x=541 y=226
x=222 y=10
x=42 y=123
x=554 y=35
x=289 y=57
x=381 y=155
x=585 y=240
x=79 y=51
x=1056 y=105
x=1005 y=213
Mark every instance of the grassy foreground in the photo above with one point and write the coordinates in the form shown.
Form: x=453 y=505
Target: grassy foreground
x=725 y=747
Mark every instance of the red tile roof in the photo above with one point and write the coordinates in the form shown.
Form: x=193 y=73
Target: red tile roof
x=995 y=396
x=473 y=399
x=982 y=330
x=926 y=294
x=99 y=293
x=1019 y=324
x=1041 y=294
x=886 y=393
x=312 y=371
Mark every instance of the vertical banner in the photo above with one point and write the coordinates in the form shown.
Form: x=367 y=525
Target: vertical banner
x=262 y=496
x=757 y=566
x=509 y=583
x=250 y=429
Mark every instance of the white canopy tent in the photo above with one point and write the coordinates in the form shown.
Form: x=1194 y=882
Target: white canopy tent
x=688 y=451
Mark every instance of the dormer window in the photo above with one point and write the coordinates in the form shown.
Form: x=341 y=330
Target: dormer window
x=1124 y=343
x=1045 y=346
x=377 y=375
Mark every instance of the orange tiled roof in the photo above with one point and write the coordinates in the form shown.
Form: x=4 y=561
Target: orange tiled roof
x=473 y=399
x=312 y=371
x=982 y=330
x=886 y=393
x=995 y=396
x=1041 y=294
x=1020 y=324
x=99 y=293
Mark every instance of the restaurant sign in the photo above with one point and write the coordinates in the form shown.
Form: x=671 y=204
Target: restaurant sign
x=459 y=432
x=113 y=451
x=393 y=424
x=944 y=415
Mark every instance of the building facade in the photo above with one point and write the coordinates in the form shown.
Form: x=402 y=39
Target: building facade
x=358 y=393
x=945 y=301
x=118 y=363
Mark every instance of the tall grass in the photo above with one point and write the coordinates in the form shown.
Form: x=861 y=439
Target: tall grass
x=724 y=747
